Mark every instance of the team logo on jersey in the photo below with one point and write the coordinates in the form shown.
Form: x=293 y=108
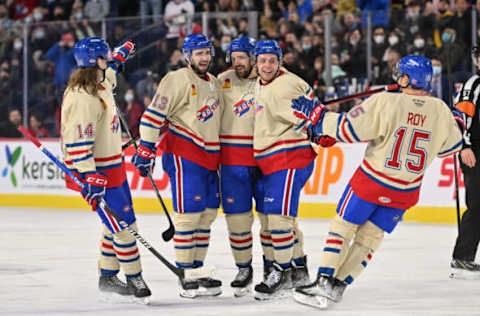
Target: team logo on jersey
x=384 y=199
x=115 y=124
x=206 y=112
x=194 y=90
x=126 y=208
x=244 y=105
x=227 y=84
x=230 y=200
x=259 y=108
x=197 y=198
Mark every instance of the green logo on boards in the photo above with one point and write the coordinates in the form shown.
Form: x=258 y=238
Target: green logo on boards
x=12 y=159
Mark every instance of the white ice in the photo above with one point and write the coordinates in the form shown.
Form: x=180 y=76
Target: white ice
x=48 y=267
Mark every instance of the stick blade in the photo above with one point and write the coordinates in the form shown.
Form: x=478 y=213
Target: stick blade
x=202 y=272
x=168 y=234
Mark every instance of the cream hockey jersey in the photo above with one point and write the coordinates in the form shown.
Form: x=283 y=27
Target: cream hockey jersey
x=278 y=140
x=186 y=111
x=404 y=133
x=91 y=133
x=236 y=132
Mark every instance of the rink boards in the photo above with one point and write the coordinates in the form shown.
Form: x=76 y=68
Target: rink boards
x=29 y=179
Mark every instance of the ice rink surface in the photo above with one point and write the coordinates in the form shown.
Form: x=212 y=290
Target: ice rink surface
x=48 y=267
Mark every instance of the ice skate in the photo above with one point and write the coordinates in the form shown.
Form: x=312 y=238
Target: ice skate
x=277 y=285
x=113 y=290
x=188 y=288
x=242 y=283
x=464 y=270
x=300 y=276
x=139 y=289
x=321 y=293
x=209 y=287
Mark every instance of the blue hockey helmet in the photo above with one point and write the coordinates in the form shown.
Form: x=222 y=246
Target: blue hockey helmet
x=196 y=41
x=268 y=47
x=241 y=44
x=418 y=69
x=87 y=50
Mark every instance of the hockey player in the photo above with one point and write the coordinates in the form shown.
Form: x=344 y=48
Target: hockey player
x=463 y=259
x=92 y=149
x=285 y=157
x=240 y=178
x=186 y=111
x=405 y=131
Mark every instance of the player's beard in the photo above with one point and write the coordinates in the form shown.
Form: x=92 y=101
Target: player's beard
x=246 y=72
x=198 y=71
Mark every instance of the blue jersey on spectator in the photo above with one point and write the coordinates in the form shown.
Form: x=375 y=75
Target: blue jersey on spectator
x=379 y=10
x=64 y=63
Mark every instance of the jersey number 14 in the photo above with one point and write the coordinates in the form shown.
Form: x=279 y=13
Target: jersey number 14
x=416 y=154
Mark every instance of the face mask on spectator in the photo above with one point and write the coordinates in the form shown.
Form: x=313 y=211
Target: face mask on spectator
x=353 y=42
x=79 y=15
x=224 y=46
x=379 y=39
x=419 y=42
x=39 y=34
x=392 y=40
x=413 y=15
x=28 y=19
x=17 y=45
x=38 y=16
x=129 y=97
x=306 y=46
x=437 y=70
x=446 y=37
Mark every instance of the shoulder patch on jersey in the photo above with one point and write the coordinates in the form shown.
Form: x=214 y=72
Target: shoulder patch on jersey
x=194 y=90
x=227 y=84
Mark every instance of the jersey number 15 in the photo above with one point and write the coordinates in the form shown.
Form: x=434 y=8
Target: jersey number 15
x=416 y=154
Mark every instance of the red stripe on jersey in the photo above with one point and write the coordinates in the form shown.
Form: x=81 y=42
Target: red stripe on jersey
x=369 y=256
x=236 y=137
x=265 y=236
x=289 y=141
x=237 y=156
x=344 y=132
x=108 y=158
x=78 y=152
x=335 y=241
x=113 y=222
x=202 y=238
x=345 y=202
x=178 y=166
x=282 y=239
x=104 y=245
x=151 y=119
x=182 y=240
x=289 y=159
x=128 y=253
x=287 y=195
x=195 y=136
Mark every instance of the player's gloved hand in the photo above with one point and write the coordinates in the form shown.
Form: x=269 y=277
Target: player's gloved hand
x=307 y=110
x=123 y=52
x=460 y=118
x=144 y=158
x=94 y=188
x=325 y=141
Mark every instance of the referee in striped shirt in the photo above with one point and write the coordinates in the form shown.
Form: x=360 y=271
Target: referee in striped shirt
x=462 y=264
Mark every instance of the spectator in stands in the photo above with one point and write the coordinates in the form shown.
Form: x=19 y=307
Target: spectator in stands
x=150 y=7
x=437 y=78
x=307 y=53
x=178 y=14
x=443 y=20
x=96 y=10
x=133 y=112
x=410 y=24
x=61 y=54
x=393 y=57
x=176 y=61
x=9 y=128
x=144 y=87
x=379 y=46
x=462 y=23
x=35 y=126
x=5 y=90
x=427 y=19
x=353 y=54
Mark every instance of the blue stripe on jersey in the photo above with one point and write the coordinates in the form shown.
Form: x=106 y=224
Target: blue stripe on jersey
x=301 y=125
x=281 y=231
x=203 y=231
x=108 y=237
x=125 y=245
x=348 y=280
x=283 y=247
x=150 y=125
x=129 y=260
x=282 y=150
x=156 y=113
x=240 y=248
x=338 y=128
x=78 y=144
x=451 y=149
x=266 y=245
x=184 y=265
x=364 y=263
x=83 y=158
x=188 y=232
x=191 y=141
x=236 y=145
x=201 y=246
x=240 y=234
x=328 y=249
x=106 y=254
x=106 y=272
x=387 y=185
x=326 y=271
x=350 y=127
x=183 y=247
x=244 y=265
x=128 y=276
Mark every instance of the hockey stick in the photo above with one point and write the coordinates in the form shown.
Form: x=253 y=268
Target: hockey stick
x=202 y=272
x=130 y=142
x=168 y=234
x=450 y=104
x=391 y=87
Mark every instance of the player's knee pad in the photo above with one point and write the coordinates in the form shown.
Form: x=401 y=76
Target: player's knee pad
x=281 y=230
x=207 y=218
x=240 y=230
x=127 y=253
x=337 y=244
x=369 y=235
x=185 y=227
x=366 y=242
x=265 y=239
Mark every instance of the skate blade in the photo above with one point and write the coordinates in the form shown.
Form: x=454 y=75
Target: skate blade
x=316 y=301
x=142 y=300
x=115 y=298
x=461 y=274
x=209 y=291
x=274 y=296
x=242 y=291
x=188 y=293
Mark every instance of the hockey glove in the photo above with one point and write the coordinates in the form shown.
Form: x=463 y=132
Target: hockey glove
x=144 y=158
x=94 y=188
x=307 y=110
x=123 y=52
x=325 y=141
